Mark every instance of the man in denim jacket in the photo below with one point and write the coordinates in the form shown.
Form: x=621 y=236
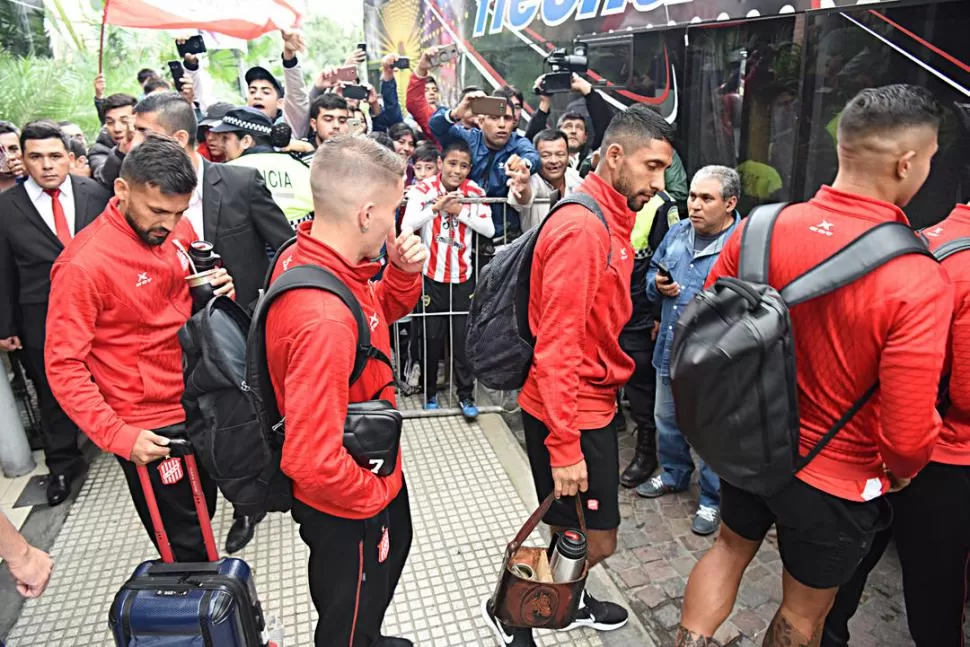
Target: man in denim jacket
x=688 y=252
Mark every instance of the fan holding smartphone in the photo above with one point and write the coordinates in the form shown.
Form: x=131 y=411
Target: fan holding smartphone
x=665 y=282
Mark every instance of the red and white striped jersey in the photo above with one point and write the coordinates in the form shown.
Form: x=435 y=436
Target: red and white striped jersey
x=449 y=238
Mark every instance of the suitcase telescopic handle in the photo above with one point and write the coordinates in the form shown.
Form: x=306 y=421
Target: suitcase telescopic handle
x=179 y=448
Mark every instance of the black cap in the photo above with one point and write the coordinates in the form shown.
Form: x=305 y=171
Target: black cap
x=245 y=120
x=215 y=113
x=257 y=73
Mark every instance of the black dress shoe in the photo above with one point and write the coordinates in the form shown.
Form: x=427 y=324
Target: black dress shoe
x=58 y=487
x=242 y=531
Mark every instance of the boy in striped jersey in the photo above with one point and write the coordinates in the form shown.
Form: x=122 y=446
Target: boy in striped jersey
x=447 y=227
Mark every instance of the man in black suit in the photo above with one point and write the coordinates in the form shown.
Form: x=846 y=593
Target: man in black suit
x=39 y=219
x=232 y=209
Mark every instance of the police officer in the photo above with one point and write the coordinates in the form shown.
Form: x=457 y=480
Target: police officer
x=250 y=139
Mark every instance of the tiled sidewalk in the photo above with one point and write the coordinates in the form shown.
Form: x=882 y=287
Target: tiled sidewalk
x=465 y=509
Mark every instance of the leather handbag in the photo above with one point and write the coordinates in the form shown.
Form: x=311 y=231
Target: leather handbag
x=536 y=602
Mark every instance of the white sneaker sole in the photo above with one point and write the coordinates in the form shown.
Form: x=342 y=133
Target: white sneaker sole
x=595 y=625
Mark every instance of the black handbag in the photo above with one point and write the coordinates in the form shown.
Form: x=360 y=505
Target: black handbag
x=372 y=435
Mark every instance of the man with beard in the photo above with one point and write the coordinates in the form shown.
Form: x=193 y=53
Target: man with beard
x=579 y=302
x=556 y=180
x=118 y=299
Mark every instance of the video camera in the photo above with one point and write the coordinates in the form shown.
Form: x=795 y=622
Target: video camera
x=563 y=66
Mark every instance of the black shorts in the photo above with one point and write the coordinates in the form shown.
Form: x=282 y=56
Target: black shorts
x=601 y=503
x=821 y=538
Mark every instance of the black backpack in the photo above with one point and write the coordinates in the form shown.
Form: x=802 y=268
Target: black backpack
x=498 y=341
x=231 y=413
x=942 y=252
x=732 y=365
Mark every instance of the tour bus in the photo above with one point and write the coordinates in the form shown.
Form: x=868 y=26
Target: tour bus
x=757 y=85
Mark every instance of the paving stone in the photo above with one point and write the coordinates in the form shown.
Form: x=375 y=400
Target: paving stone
x=683 y=565
x=647 y=554
x=749 y=622
x=634 y=577
x=660 y=571
x=668 y=616
x=727 y=633
x=651 y=595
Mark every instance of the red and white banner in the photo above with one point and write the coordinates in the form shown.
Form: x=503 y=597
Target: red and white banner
x=246 y=19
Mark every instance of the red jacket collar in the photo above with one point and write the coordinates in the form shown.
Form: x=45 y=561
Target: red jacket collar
x=858 y=206
x=615 y=208
x=312 y=250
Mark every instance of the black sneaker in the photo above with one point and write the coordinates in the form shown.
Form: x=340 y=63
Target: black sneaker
x=505 y=637
x=602 y=616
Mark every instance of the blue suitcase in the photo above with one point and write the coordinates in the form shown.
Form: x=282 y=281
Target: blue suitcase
x=187 y=604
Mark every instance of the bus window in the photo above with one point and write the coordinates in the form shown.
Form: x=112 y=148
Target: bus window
x=611 y=60
x=851 y=50
x=743 y=84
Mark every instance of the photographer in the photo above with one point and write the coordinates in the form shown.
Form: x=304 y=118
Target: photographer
x=249 y=139
x=580 y=142
x=491 y=147
x=357 y=524
x=118 y=300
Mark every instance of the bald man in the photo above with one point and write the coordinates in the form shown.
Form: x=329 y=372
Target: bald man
x=356 y=524
x=889 y=327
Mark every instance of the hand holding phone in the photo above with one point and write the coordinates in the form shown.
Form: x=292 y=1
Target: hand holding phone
x=175 y=67
x=444 y=54
x=490 y=106
x=194 y=45
x=665 y=282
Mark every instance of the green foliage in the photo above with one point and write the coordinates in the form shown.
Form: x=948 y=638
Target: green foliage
x=33 y=86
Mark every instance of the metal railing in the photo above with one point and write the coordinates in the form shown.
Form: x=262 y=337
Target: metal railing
x=414 y=391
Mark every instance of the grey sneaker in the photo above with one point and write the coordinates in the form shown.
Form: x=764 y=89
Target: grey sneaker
x=706 y=520
x=654 y=488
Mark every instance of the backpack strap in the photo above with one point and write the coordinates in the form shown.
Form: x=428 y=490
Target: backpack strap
x=874 y=248
x=952 y=247
x=296 y=278
x=587 y=201
x=837 y=427
x=523 y=291
x=756 y=242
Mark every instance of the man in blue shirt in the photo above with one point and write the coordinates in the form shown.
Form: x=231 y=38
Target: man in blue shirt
x=677 y=272
x=492 y=146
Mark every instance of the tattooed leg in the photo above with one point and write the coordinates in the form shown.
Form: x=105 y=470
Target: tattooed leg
x=687 y=638
x=782 y=633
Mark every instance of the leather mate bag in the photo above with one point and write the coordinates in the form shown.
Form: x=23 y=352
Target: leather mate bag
x=536 y=603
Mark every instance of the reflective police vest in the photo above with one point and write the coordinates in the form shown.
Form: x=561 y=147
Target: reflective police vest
x=288 y=180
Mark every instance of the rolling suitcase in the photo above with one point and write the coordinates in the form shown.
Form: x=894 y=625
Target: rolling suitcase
x=187 y=604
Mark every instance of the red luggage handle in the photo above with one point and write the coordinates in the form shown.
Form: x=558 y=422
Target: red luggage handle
x=179 y=448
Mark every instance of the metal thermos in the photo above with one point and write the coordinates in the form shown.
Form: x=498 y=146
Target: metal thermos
x=568 y=557
x=205 y=262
